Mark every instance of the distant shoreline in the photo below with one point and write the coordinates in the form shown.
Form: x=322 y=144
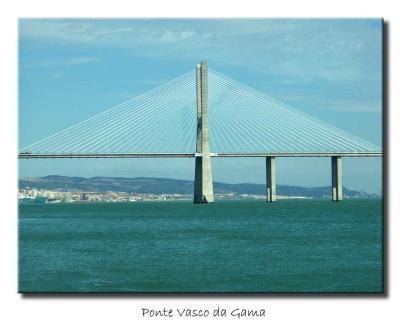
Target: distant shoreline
x=72 y=189
x=188 y=200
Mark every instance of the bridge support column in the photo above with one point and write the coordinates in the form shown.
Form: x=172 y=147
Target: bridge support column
x=203 y=185
x=271 y=179
x=337 y=191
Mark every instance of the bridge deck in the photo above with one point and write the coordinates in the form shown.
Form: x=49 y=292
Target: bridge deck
x=190 y=155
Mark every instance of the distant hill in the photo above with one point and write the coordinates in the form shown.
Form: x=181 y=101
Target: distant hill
x=172 y=186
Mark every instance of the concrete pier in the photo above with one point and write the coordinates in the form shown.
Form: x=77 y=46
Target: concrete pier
x=271 y=179
x=337 y=191
x=203 y=185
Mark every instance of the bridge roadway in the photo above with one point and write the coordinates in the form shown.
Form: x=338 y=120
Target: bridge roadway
x=191 y=155
x=336 y=163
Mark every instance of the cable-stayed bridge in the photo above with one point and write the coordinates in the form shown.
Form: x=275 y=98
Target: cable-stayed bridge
x=204 y=114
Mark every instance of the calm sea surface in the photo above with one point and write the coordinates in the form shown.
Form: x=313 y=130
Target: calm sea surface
x=244 y=246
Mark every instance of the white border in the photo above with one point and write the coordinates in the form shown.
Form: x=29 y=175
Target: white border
x=124 y=312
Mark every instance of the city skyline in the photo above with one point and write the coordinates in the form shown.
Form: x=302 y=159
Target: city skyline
x=67 y=57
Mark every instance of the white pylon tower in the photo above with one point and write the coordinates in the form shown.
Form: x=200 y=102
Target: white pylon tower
x=203 y=185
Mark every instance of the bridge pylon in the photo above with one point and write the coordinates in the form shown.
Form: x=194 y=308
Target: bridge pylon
x=203 y=184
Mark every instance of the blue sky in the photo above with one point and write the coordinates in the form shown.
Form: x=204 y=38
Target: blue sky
x=70 y=70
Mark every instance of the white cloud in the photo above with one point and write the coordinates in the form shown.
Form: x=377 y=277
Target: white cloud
x=300 y=50
x=81 y=60
x=61 y=62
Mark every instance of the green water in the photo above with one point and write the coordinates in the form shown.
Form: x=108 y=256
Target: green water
x=238 y=246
